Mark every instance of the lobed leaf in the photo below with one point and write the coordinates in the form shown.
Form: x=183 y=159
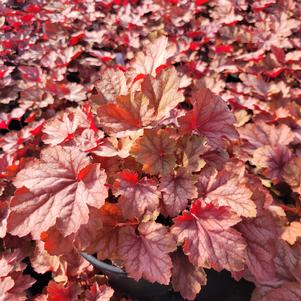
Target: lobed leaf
x=209 y=239
x=56 y=190
x=146 y=255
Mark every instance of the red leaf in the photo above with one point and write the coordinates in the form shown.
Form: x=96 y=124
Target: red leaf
x=146 y=255
x=57 y=292
x=162 y=67
x=137 y=196
x=210 y=117
x=76 y=38
x=223 y=49
x=200 y=2
x=58 y=89
x=54 y=196
x=209 y=240
x=106 y=243
x=261 y=5
x=52 y=242
x=279 y=53
x=138 y=77
x=33 y=8
x=275 y=72
x=30 y=73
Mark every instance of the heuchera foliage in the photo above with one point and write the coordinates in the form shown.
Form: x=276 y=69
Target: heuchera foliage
x=161 y=135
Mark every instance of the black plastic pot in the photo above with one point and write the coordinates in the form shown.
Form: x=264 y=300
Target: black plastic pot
x=221 y=286
x=119 y=280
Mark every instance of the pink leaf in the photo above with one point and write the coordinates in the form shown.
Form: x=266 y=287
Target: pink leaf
x=177 y=189
x=8 y=261
x=193 y=147
x=292 y=232
x=292 y=174
x=287 y=262
x=137 y=196
x=209 y=240
x=260 y=235
x=111 y=85
x=146 y=255
x=289 y=291
x=272 y=159
x=57 y=191
x=186 y=277
x=154 y=55
x=22 y=283
x=5 y=285
x=42 y=262
x=91 y=185
x=63 y=126
x=260 y=134
x=162 y=92
x=229 y=190
x=106 y=243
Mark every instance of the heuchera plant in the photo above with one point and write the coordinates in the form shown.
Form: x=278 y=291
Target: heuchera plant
x=157 y=135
